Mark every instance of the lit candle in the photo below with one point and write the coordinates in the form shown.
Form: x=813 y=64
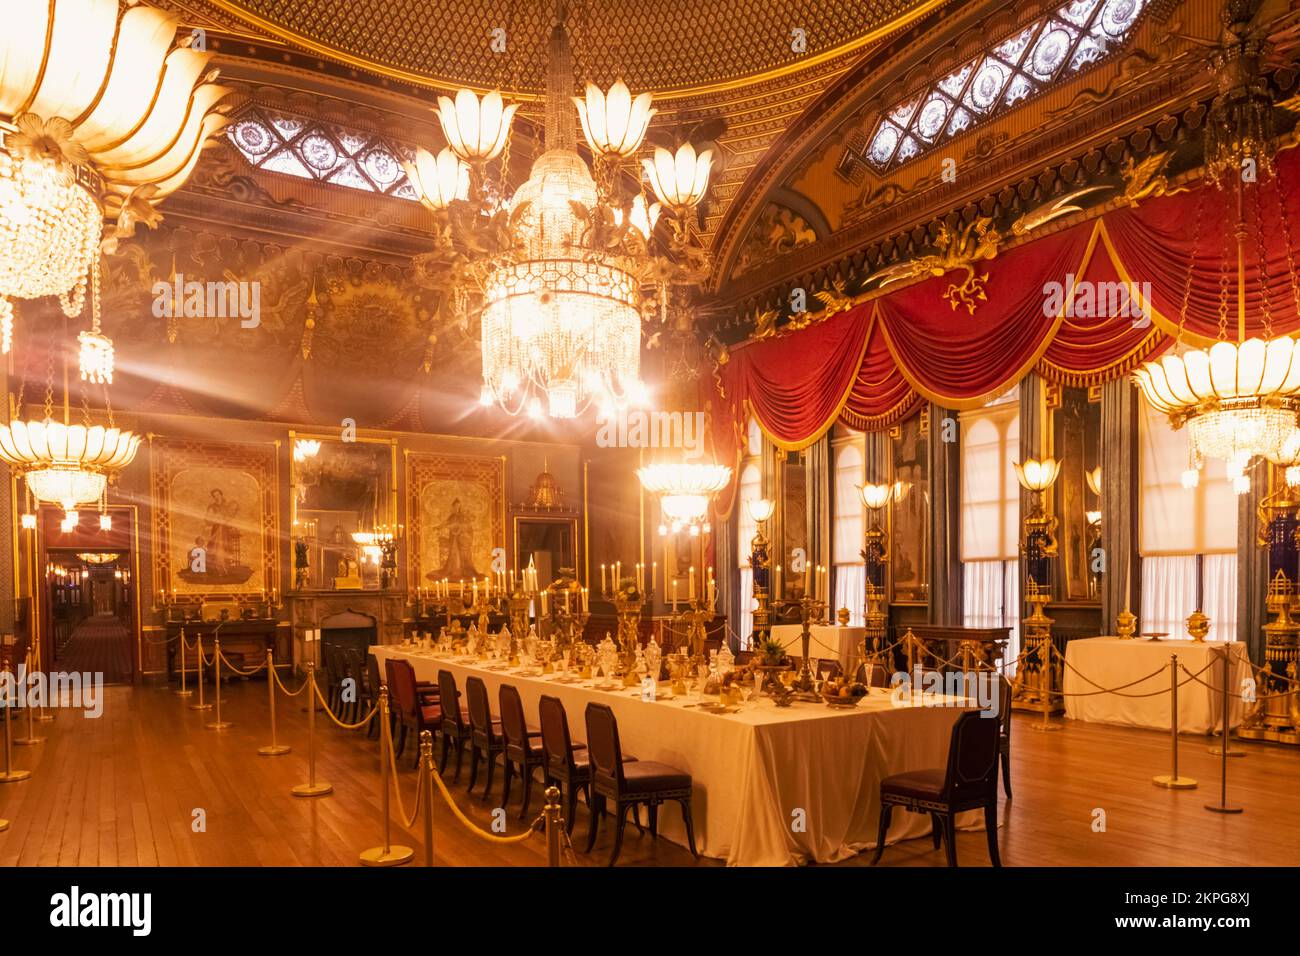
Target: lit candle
x=777 y=587
x=654 y=575
x=585 y=601
x=604 y=585
x=690 y=586
x=566 y=600
x=674 y=594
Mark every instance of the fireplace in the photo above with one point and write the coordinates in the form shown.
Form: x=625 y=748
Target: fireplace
x=349 y=629
x=350 y=618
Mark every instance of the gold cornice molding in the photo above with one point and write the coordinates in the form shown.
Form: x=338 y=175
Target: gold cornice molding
x=288 y=36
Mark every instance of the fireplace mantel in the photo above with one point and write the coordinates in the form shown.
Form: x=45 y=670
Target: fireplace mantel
x=308 y=608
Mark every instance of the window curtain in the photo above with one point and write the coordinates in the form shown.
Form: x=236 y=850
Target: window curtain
x=990 y=499
x=1174 y=520
x=1252 y=570
x=1119 y=481
x=850 y=592
x=1169 y=589
x=1219 y=595
x=991 y=598
x=742 y=602
x=945 y=517
x=746 y=602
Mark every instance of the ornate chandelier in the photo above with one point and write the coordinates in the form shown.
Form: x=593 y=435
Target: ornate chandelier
x=101 y=116
x=560 y=273
x=1239 y=400
x=684 y=491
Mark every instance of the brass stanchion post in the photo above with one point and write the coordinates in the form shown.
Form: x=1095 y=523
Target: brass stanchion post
x=198 y=651
x=1172 y=781
x=554 y=826
x=41 y=715
x=274 y=748
x=389 y=855
x=311 y=788
x=9 y=775
x=1223 y=806
x=184 y=691
x=217 y=724
x=426 y=763
x=1045 y=681
x=1225 y=747
x=31 y=737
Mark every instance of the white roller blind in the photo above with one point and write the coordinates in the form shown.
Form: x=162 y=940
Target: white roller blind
x=990 y=499
x=846 y=536
x=1173 y=519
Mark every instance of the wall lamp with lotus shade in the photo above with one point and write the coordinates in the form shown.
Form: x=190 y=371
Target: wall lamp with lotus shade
x=760 y=562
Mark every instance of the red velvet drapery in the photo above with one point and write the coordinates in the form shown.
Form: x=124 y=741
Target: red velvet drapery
x=872 y=365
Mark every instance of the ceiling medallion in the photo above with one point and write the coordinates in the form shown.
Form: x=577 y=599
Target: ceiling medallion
x=102 y=114
x=561 y=274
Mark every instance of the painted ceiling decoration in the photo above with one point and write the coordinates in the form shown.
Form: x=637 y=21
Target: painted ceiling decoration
x=663 y=47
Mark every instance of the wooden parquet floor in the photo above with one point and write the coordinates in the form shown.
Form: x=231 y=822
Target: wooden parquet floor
x=123 y=790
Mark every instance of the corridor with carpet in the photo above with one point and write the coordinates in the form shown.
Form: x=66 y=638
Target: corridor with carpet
x=99 y=644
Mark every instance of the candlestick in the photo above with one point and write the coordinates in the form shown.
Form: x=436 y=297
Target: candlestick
x=654 y=575
x=674 y=589
x=690 y=587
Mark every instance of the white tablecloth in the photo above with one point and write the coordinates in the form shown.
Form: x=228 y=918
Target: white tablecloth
x=753 y=770
x=1112 y=661
x=827 y=641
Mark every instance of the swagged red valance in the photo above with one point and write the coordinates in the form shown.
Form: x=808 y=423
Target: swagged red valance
x=873 y=365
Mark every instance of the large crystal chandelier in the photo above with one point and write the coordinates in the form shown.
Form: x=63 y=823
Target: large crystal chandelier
x=559 y=274
x=1239 y=400
x=102 y=114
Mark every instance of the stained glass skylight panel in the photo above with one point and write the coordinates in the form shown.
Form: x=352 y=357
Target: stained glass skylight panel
x=1077 y=35
x=294 y=146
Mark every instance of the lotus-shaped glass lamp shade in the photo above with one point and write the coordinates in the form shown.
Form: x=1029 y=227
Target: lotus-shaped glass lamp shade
x=760 y=509
x=876 y=497
x=1036 y=474
x=679 y=180
x=614 y=124
x=439 y=180
x=476 y=129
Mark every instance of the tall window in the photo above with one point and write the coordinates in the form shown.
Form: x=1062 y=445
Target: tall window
x=749 y=488
x=1187 y=537
x=846 y=534
x=990 y=518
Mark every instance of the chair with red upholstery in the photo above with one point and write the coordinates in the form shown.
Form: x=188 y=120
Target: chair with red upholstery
x=413 y=712
x=629 y=784
x=485 y=737
x=970 y=781
x=523 y=747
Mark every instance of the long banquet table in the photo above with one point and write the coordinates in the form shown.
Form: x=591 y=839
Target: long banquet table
x=772 y=786
x=1107 y=662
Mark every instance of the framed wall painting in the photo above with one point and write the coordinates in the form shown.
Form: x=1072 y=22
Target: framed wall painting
x=215 y=518
x=455 y=516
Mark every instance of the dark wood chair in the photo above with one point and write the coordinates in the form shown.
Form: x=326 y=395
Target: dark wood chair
x=970 y=781
x=523 y=747
x=485 y=737
x=629 y=784
x=413 y=712
x=568 y=765
x=455 y=721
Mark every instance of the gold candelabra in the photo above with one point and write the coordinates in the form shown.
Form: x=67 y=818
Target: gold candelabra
x=812 y=610
x=628 y=600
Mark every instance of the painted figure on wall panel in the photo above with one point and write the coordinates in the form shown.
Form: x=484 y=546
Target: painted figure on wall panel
x=457 y=506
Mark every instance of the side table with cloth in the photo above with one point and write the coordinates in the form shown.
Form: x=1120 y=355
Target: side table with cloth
x=1093 y=663
x=826 y=640
x=752 y=770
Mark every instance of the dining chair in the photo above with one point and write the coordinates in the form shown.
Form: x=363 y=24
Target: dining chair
x=455 y=721
x=568 y=765
x=523 y=747
x=414 y=712
x=970 y=781
x=485 y=738
x=1004 y=735
x=629 y=784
